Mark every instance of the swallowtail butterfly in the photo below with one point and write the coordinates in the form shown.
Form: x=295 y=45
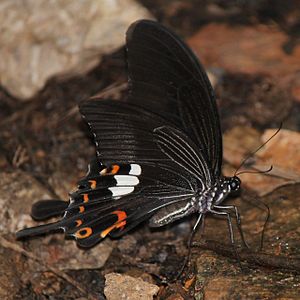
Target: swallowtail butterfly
x=159 y=152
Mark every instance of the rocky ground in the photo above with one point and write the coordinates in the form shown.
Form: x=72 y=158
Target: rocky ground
x=252 y=51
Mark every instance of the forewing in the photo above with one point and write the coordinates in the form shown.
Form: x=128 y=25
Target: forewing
x=122 y=132
x=124 y=135
x=165 y=77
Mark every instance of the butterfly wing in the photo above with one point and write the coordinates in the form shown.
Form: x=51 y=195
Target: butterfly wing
x=157 y=150
x=111 y=201
x=92 y=221
x=181 y=150
x=170 y=168
x=165 y=77
x=124 y=134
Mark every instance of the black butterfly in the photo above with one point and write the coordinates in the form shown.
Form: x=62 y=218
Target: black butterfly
x=159 y=153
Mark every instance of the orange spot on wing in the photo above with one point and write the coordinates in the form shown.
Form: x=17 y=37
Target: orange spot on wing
x=120 y=223
x=121 y=218
x=83 y=233
x=85 y=198
x=93 y=183
x=78 y=223
x=81 y=209
x=115 y=169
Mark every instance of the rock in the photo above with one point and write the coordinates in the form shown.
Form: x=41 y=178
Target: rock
x=120 y=286
x=218 y=278
x=250 y=50
x=64 y=254
x=18 y=192
x=280 y=240
x=253 y=99
x=239 y=141
x=282 y=152
x=42 y=39
x=175 y=297
x=296 y=88
x=63 y=182
x=12 y=267
x=246 y=49
x=127 y=244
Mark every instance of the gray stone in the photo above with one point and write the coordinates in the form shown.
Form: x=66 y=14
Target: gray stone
x=42 y=39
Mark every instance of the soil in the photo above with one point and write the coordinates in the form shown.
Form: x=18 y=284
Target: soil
x=47 y=140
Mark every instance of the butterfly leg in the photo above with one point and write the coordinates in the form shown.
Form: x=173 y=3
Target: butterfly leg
x=265 y=223
x=230 y=227
x=238 y=221
x=187 y=258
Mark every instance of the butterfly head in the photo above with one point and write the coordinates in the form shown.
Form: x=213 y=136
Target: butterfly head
x=234 y=183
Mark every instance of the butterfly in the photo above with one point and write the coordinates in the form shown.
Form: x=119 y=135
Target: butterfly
x=159 y=152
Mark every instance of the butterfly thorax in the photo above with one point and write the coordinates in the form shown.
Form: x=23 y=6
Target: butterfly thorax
x=217 y=193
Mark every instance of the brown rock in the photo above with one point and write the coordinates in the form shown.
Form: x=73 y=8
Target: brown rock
x=127 y=244
x=251 y=50
x=238 y=142
x=64 y=254
x=296 y=88
x=41 y=39
x=118 y=286
x=18 y=192
x=218 y=288
x=254 y=99
x=282 y=152
x=246 y=49
x=175 y=297
x=11 y=270
x=224 y=280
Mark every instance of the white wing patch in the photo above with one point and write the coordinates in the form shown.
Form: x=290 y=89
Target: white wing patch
x=126 y=180
x=121 y=191
x=135 y=169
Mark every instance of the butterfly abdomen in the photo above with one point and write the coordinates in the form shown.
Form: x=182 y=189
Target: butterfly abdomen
x=173 y=212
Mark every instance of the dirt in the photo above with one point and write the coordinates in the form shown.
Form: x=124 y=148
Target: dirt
x=45 y=148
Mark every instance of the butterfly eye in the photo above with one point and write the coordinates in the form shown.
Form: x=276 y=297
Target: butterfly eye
x=235 y=184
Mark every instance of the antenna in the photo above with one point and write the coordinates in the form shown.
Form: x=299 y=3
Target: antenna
x=255 y=151
x=255 y=172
